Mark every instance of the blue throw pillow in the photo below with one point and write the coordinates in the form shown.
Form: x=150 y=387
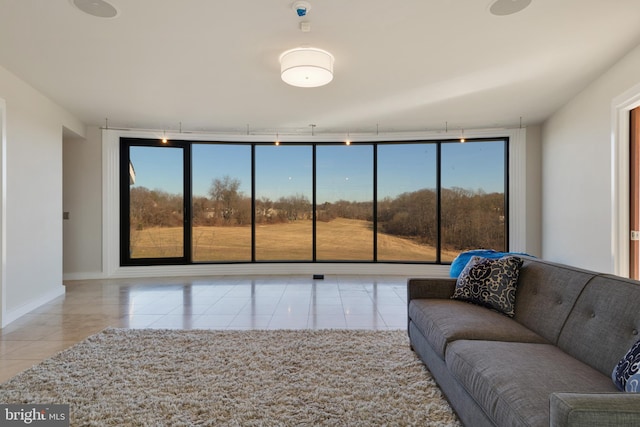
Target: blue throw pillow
x=463 y=258
x=626 y=374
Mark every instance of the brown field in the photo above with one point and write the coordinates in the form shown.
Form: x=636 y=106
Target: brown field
x=338 y=240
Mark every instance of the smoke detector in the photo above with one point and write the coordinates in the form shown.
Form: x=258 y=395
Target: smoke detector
x=301 y=8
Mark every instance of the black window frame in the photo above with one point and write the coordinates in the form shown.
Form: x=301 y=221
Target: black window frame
x=186 y=259
x=125 y=235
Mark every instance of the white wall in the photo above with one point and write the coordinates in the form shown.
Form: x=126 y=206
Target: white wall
x=577 y=185
x=82 y=199
x=533 y=211
x=34 y=128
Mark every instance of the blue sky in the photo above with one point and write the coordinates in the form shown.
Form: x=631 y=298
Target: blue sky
x=158 y=168
x=474 y=166
x=343 y=172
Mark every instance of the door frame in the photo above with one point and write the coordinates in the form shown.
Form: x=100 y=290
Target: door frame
x=3 y=213
x=634 y=193
x=620 y=178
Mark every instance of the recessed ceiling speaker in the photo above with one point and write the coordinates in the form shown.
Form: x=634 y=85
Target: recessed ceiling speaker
x=508 y=7
x=97 y=8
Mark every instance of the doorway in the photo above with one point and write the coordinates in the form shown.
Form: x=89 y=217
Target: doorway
x=634 y=193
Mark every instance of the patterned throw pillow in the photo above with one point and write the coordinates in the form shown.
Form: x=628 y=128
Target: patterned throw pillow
x=490 y=282
x=626 y=374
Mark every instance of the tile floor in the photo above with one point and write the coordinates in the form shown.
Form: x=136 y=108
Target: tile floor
x=272 y=302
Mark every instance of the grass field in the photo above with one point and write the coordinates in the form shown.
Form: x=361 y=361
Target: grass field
x=338 y=240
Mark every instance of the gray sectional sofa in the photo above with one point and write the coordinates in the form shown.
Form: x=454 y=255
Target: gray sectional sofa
x=548 y=365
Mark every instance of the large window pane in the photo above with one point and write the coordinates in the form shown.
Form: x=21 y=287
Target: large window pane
x=221 y=202
x=284 y=215
x=344 y=196
x=473 y=197
x=407 y=202
x=156 y=202
x=433 y=200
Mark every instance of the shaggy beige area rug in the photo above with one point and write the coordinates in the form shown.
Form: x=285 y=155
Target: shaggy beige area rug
x=237 y=378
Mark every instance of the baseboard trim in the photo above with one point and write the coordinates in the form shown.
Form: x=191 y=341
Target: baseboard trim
x=265 y=269
x=83 y=276
x=419 y=270
x=12 y=315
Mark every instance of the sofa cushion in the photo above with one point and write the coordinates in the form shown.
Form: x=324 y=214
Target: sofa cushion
x=604 y=323
x=546 y=294
x=626 y=374
x=490 y=283
x=443 y=320
x=512 y=381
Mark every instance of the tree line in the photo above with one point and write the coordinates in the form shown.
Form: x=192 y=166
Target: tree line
x=469 y=219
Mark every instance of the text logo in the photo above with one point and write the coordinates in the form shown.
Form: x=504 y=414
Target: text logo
x=34 y=415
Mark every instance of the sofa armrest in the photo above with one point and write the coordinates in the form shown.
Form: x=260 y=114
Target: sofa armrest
x=430 y=288
x=594 y=409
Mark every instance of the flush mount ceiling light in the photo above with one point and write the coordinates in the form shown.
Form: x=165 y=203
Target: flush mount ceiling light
x=306 y=67
x=508 y=7
x=97 y=8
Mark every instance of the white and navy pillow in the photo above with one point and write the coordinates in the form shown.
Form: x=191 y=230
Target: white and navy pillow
x=626 y=374
x=491 y=283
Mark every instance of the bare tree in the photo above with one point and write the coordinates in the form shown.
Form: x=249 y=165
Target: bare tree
x=225 y=194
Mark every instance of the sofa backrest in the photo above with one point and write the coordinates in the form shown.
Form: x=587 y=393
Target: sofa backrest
x=546 y=294
x=604 y=323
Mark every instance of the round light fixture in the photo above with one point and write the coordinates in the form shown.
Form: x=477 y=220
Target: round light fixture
x=97 y=8
x=306 y=67
x=508 y=7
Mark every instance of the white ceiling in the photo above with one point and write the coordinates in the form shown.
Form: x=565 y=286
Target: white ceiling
x=212 y=65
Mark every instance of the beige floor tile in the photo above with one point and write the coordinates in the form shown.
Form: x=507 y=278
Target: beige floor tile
x=12 y=367
x=38 y=350
x=274 y=302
